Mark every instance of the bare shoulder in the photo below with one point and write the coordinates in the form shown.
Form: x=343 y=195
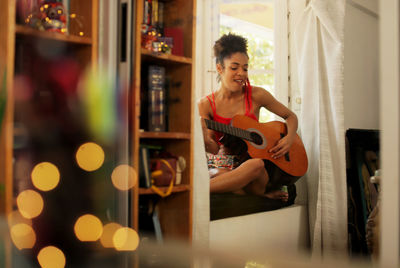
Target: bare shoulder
x=204 y=105
x=261 y=96
x=260 y=92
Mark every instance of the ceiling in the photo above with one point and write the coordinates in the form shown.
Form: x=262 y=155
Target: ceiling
x=254 y=12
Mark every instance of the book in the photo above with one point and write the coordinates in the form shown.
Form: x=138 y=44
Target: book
x=177 y=36
x=154 y=13
x=66 y=12
x=149 y=220
x=144 y=168
x=156 y=98
x=147 y=12
x=157 y=225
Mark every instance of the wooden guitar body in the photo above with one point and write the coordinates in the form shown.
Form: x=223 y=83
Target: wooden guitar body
x=261 y=137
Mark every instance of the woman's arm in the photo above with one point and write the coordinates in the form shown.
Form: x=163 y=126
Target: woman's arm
x=211 y=145
x=265 y=99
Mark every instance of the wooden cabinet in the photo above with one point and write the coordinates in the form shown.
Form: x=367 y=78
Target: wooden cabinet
x=19 y=46
x=29 y=59
x=37 y=124
x=175 y=210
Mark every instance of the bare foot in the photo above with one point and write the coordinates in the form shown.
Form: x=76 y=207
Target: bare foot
x=278 y=194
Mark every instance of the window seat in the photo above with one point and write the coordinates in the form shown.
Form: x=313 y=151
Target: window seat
x=258 y=222
x=285 y=228
x=227 y=205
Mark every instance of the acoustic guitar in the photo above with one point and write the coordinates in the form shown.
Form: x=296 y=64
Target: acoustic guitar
x=261 y=137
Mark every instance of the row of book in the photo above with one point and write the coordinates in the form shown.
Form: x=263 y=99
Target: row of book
x=153 y=13
x=155 y=36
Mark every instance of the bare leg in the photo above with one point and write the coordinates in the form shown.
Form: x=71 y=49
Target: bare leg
x=250 y=176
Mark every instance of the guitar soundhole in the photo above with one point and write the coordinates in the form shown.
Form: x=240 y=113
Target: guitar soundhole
x=256 y=138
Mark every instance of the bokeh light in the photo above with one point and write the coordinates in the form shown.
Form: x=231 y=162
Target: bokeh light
x=30 y=204
x=88 y=228
x=51 y=257
x=124 y=177
x=109 y=230
x=23 y=236
x=15 y=218
x=90 y=156
x=45 y=176
x=126 y=239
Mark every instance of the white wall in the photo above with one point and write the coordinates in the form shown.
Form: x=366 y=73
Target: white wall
x=390 y=126
x=361 y=68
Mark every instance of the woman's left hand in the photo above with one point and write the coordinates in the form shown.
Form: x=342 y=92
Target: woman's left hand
x=282 y=147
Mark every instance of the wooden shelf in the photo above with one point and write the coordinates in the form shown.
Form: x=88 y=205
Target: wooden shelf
x=176 y=189
x=175 y=212
x=22 y=30
x=148 y=55
x=165 y=135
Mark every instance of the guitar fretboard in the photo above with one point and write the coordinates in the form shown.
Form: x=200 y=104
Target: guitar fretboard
x=234 y=131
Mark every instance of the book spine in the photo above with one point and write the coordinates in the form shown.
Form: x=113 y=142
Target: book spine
x=161 y=17
x=144 y=169
x=66 y=12
x=154 y=15
x=157 y=226
x=147 y=12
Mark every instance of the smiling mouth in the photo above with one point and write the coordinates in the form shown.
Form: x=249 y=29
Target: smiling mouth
x=240 y=81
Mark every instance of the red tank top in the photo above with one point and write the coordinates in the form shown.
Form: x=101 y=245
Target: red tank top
x=227 y=121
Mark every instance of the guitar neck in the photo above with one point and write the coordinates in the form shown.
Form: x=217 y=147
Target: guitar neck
x=227 y=129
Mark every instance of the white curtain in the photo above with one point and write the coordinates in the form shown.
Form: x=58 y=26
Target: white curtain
x=319 y=38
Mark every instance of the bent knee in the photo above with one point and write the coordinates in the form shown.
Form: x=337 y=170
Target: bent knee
x=256 y=164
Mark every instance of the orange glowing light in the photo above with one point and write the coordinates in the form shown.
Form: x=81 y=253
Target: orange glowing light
x=90 y=156
x=45 y=176
x=88 y=228
x=126 y=239
x=51 y=257
x=124 y=177
x=23 y=236
x=15 y=218
x=109 y=230
x=30 y=204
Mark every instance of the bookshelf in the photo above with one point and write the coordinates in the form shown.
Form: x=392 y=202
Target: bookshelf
x=19 y=45
x=175 y=210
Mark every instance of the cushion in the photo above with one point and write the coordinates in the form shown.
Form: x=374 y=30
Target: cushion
x=224 y=205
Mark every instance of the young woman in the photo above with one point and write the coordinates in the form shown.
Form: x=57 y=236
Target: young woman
x=236 y=97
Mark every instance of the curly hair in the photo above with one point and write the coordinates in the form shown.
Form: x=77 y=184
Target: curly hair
x=227 y=45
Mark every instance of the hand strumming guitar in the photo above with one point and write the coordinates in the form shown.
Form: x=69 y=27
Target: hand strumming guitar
x=282 y=147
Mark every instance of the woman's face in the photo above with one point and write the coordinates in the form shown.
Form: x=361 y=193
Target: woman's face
x=234 y=72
